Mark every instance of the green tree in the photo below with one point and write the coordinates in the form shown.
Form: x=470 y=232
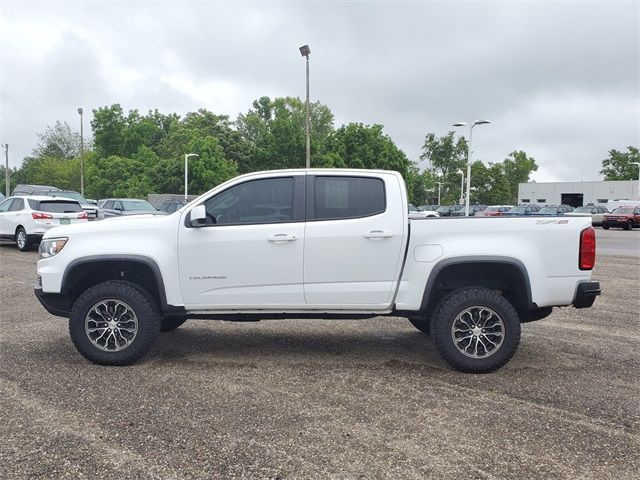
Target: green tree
x=58 y=141
x=517 y=169
x=619 y=166
x=445 y=156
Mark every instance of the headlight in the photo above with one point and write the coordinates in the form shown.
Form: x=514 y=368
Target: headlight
x=51 y=246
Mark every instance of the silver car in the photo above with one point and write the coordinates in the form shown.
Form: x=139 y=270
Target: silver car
x=596 y=213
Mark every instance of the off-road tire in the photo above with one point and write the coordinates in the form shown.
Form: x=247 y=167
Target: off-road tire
x=423 y=325
x=22 y=240
x=171 y=322
x=452 y=306
x=142 y=305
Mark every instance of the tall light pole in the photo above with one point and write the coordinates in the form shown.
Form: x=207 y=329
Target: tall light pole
x=632 y=163
x=439 y=185
x=186 y=173
x=305 y=51
x=461 y=186
x=6 y=169
x=80 y=111
x=471 y=125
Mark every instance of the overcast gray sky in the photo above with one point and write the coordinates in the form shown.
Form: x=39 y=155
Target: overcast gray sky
x=560 y=80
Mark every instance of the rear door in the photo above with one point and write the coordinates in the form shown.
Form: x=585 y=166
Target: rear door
x=354 y=240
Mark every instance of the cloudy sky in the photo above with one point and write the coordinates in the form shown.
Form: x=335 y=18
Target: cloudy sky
x=560 y=80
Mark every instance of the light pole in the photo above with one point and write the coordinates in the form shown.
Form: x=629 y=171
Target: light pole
x=305 y=51
x=80 y=111
x=6 y=169
x=471 y=125
x=461 y=186
x=632 y=163
x=186 y=173
x=439 y=185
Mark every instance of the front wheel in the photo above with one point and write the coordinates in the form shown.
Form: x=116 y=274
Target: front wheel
x=605 y=226
x=114 y=323
x=629 y=225
x=476 y=330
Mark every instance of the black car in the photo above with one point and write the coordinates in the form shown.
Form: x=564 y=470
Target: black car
x=172 y=206
x=447 y=210
x=118 y=207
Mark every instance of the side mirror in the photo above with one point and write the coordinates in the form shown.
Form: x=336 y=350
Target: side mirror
x=198 y=216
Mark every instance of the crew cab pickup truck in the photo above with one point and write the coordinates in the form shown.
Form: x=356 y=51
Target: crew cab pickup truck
x=314 y=243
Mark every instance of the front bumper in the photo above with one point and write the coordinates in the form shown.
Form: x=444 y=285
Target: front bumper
x=586 y=294
x=54 y=303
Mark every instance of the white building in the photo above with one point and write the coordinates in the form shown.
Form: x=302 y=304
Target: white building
x=577 y=193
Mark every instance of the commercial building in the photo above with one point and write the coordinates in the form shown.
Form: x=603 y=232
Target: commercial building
x=577 y=194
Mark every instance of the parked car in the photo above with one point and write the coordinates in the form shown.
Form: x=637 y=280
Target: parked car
x=554 y=210
x=429 y=208
x=473 y=209
x=25 y=190
x=25 y=220
x=596 y=213
x=446 y=210
x=2 y=197
x=415 y=212
x=494 y=211
x=117 y=207
x=91 y=209
x=521 y=210
x=625 y=217
x=172 y=206
x=342 y=247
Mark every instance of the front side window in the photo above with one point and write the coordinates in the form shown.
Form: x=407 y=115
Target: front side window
x=347 y=197
x=268 y=200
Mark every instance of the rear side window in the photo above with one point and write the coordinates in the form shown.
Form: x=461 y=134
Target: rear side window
x=55 y=207
x=347 y=197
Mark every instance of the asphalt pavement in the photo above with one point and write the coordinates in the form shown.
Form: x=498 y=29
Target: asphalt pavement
x=323 y=399
x=618 y=242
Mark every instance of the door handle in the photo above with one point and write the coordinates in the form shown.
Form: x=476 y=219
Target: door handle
x=281 y=238
x=378 y=234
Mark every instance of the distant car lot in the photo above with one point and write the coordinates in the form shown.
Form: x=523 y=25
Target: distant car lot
x=339 y=398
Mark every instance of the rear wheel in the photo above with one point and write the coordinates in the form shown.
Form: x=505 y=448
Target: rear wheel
x=476 y=330
x=605 y=226
x=114 y=323
x=22 y=240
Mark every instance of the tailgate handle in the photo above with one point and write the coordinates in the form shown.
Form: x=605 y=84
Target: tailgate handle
x=378 y=234
x=281 y=238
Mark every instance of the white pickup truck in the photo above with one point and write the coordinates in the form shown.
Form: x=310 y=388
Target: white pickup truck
x=314 y=244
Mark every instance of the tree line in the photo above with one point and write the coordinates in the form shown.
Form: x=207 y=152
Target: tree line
x=133 y=154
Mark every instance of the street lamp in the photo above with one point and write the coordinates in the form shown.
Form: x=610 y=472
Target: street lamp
x=632 y=163
x=461 y=186
x=6 y=169
x=186 y=173
x=439 y=185
x=80 y=111
x=471 y=125
x=305 y=51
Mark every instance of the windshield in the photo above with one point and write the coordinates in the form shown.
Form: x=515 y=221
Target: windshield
x=627 y=211
x=73 y=195
x=549 y=210
x=518 y=209
x=583 y=210
x=55 y=206
x=137 y=205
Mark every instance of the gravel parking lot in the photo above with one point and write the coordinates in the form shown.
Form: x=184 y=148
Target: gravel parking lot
x=324 y=399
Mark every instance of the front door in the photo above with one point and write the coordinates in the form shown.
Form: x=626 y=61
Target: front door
x=249 y=255
x=354 y=241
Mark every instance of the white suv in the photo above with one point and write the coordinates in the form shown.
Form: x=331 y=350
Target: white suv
x=25 y=219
